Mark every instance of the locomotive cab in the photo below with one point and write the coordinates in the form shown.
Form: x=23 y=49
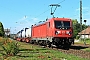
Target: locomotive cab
x=63 y=32
x=63 y=29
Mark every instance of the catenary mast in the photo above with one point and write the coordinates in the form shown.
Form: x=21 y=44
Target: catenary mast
x=81 y=14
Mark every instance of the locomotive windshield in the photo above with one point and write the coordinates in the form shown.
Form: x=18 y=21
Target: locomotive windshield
x=62 y=25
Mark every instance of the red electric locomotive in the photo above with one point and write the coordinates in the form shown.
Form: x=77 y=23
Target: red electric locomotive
x=53 y=32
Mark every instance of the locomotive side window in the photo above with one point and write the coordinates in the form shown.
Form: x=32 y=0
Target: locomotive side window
x=48 y=24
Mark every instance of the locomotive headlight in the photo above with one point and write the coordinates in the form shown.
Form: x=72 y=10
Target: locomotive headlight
x=68 y=32
x=57 y=32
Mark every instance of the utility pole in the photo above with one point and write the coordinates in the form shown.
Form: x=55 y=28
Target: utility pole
x=81 y=14
x=56 y=5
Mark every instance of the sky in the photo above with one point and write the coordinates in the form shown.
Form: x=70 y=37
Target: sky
x=18 y=14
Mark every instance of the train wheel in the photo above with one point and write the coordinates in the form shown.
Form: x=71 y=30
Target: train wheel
x=52 y=46
x=49 y=45
x=31 y=42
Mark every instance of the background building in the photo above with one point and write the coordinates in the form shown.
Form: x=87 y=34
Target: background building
x=7 y=32
x=85 y=33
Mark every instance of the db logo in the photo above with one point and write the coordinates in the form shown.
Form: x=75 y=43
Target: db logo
x=63 y=32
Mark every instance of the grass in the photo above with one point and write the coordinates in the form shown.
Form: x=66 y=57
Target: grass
x=33 y=52
x=87 y=49
x=82 y=41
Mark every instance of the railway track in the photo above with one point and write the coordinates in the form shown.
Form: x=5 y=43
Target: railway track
x=75 y=50
x=79 y=53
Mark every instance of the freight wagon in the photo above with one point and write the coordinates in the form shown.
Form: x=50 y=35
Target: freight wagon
x=24 y=35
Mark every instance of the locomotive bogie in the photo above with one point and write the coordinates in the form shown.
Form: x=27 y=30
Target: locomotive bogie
x=62 y=41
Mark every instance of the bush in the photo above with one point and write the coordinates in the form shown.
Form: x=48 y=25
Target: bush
x=77 y=37
x=1 y=40
x=87 y=39
x=10 y=47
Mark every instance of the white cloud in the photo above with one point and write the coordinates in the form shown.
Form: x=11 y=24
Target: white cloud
x=77 y=9
x=24 y=18
x=83 y=8
x=85 y=15
x=26 y=22
x=85 y=11
x=35 y=19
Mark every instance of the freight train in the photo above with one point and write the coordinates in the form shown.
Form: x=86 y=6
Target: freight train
x=52 y=32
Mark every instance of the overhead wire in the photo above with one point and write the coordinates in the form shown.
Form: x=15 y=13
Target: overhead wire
x=48 y=10
x=61 y=1
x=36 y=16
x=24 y=14
x=42 y=13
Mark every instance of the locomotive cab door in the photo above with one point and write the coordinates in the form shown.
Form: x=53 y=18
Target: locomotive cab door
x=47 y=32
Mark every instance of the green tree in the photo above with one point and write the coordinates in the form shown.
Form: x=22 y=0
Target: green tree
x=84 y=26
x=1 y=29
x=77 y=28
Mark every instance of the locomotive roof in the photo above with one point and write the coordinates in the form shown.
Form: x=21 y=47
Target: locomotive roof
x=59 y=19
x=47 y=20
